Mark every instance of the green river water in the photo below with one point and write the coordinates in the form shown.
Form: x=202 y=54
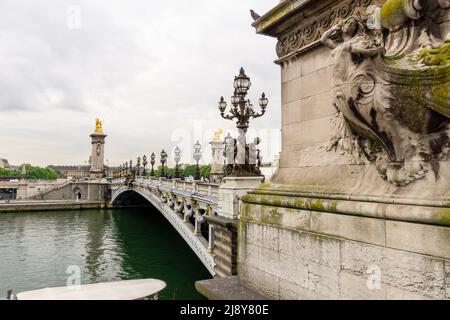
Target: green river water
x=37 y=248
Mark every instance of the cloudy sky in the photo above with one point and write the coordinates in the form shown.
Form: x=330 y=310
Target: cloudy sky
x=152 y=70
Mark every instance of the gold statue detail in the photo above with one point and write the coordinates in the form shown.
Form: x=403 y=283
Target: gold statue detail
x=217 y=135
x=98 y=126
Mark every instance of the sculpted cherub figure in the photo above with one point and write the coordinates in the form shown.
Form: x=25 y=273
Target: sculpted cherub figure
x=354 y=74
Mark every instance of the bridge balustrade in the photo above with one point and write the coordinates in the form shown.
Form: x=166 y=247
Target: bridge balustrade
x=192 y=208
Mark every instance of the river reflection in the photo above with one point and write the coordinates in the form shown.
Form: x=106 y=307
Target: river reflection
x=37 y=248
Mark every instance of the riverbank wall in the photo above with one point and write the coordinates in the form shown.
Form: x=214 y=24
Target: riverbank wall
x=50 y=206
x=55 y=206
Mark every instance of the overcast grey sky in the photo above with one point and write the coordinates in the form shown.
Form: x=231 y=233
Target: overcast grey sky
x=153 y=70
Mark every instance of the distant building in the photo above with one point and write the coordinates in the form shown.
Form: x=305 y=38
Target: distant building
x=71 y=171
x=4 y=164
x=78 y=172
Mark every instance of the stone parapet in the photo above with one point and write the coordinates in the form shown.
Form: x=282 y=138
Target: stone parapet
x=230 y=192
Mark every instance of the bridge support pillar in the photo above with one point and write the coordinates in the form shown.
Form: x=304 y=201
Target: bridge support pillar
x=231 y=191
x=223 y=239
x=223 y=244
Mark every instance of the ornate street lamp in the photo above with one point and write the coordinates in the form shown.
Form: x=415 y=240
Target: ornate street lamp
x=163 y=161
x=126 y=168
x=197 y=157
x=177 y=160
x=242 y=110
x=131 y=167
x=152 y=162
x=138 y=166
x=144 y=164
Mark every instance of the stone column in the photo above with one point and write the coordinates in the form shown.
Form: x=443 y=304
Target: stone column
x=217 y=148
x=97 y=155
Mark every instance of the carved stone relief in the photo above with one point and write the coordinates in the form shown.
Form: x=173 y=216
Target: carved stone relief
x=311 y=30
x=392 y=90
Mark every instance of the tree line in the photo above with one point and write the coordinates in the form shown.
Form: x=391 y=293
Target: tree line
x=32 y=173
x=189 y=171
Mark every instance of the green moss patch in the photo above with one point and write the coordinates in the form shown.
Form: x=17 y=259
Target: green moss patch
x=392 y=13
x=436 y=57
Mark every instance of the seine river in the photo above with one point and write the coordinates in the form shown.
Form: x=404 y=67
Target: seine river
x=37 y=249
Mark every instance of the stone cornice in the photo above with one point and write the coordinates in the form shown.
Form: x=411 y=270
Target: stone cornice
x=264 y=24
x=300 y=23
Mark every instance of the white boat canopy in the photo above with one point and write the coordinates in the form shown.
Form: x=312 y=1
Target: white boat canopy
x=119 y=290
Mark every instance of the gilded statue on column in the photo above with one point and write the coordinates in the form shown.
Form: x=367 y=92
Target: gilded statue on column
x=98 y=126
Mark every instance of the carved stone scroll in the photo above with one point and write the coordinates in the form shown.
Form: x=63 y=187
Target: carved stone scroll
x=392 y=93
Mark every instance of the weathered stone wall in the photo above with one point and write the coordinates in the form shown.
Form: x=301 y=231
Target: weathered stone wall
x=298 y=254
x=89 y=191
x=49 y=206
x=306 y=103
x=332 y=221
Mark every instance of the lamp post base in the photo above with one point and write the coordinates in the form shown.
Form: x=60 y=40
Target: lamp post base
x=230 y=192
x=244 y=170
x=197 y=175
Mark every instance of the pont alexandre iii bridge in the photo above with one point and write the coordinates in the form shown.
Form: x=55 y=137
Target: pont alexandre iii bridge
x=359 y=207
x=191 y=208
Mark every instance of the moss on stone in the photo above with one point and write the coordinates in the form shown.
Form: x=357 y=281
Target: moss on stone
x=245 y=209
x=274 y=213
x=333 y=206
x=316 y=205
x=299 y=203
x=392 y=13
x=269 y=216
x=441 y=98
x=446 y=216
x=270 y=200
x=436 y=57
x=265 y=185
x=422 y=83
x=249 y=198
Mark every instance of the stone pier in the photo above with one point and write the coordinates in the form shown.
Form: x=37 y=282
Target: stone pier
x=360 y=206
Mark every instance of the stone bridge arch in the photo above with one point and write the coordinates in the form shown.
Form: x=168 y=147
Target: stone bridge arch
x=125 y=196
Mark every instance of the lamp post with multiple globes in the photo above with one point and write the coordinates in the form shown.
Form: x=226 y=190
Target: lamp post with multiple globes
x=242 y=111
x=197 y=158
x=177 y=159
x=163 y=161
